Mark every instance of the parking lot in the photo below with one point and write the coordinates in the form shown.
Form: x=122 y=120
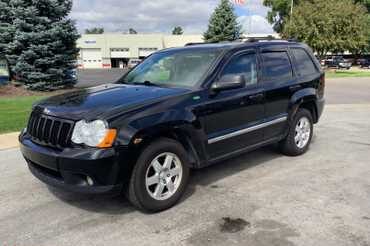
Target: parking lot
x=260 y=198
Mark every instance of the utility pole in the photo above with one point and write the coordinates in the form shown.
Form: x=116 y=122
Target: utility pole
x=291 y=13
x=291 y=8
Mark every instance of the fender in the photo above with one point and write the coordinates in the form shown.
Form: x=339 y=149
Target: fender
x=182 y=125
x=300 y=97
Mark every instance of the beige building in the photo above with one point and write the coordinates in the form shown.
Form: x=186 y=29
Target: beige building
x=115 y=50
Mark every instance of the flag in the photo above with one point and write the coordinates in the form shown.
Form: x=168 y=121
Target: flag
x=238 y=2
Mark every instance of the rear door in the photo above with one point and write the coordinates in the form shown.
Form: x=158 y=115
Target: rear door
x=231 y=114
x=279 y=84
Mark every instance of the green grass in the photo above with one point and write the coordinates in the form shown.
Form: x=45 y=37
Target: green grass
x=14 y=112
x=346 y=73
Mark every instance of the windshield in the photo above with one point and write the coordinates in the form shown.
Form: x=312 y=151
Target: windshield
x=173 y=68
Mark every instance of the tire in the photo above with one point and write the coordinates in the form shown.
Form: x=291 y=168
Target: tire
x=152 y=188
x=289 y=146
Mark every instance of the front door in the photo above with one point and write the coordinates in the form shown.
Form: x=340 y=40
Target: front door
x=231 y=115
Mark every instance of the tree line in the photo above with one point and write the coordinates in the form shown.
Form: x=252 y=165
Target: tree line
x=177 y=30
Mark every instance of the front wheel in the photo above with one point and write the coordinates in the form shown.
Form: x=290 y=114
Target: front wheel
x=160 y=176
x=300 y=134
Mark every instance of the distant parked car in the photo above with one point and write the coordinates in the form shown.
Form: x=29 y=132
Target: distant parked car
x=71 y=75
x=133 y=62
x=338 y=62
x=365 y=63
x=4 y=72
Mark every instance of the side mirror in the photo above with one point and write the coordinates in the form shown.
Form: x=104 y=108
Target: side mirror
x=229 y=82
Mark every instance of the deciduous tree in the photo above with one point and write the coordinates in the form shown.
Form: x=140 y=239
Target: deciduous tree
x=177 y=30
x=95 y=30
x=329 y=26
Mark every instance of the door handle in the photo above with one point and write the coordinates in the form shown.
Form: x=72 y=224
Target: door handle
x=256 y=97
x=295 y=87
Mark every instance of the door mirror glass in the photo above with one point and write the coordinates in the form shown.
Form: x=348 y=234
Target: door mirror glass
x=228 y=82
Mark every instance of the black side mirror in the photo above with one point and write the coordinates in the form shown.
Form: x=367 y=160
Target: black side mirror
x=229 y=82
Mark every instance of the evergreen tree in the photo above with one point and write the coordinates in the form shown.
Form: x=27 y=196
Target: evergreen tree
x=177 y=31
x=223 y=25
x=6 y=29
x=329 y=26
x=41 y=44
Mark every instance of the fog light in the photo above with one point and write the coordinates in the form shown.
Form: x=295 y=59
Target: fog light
x=90 y=181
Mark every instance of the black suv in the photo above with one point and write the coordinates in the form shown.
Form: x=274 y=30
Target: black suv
x=180 y=109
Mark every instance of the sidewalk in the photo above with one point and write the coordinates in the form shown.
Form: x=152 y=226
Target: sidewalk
x=9 y=140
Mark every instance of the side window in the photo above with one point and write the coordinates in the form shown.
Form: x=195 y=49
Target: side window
x=276 y=66
x=304 y=63
x=243 y=65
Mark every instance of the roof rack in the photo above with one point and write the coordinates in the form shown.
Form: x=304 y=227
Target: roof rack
x=217 y=42
x=199 y=43
x=270 y=38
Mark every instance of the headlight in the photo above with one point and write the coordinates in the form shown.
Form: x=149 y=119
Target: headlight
x=93 y=134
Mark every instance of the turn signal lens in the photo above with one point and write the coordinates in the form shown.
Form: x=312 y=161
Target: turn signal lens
x=108 y=139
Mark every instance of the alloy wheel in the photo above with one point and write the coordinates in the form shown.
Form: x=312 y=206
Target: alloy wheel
x=302 y=132
x=163 y=176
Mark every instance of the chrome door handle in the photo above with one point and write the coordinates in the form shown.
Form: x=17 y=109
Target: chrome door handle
x=256 y=97
x=295 y=87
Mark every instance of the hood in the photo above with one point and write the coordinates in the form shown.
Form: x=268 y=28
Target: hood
x=104 y=101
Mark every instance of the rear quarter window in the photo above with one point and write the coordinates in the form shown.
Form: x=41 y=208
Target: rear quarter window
x=276 y=66
x=304 y=63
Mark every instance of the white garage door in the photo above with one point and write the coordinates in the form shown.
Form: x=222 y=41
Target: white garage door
x=92 y=58
x=144 y=52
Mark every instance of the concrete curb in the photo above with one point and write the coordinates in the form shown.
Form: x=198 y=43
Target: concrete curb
x=9 y=140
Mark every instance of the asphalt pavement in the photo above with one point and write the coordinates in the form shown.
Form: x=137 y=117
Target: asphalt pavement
x=260 y=198
x=94 y=77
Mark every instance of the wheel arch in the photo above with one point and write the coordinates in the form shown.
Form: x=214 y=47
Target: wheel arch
x=186 y=135
x=306 y=99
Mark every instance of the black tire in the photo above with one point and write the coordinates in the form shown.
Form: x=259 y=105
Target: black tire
x=288 y=146
x=137 y=191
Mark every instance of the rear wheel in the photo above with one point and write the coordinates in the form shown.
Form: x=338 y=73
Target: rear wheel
x=160 y=176
x=300 y=134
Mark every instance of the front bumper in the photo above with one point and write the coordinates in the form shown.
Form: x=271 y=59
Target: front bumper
x=83 y=170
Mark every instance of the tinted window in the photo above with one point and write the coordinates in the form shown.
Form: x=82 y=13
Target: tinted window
x=243 y=65
x=304 y=63
x=176 y=68
x=276 y=66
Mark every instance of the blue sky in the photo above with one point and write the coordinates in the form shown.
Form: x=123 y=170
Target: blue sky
x=154 y=16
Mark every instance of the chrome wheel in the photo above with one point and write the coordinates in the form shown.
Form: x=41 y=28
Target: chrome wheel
x=163 y=176
x=302 y=132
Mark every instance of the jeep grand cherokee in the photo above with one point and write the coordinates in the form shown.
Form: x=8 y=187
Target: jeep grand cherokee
x=180 y=109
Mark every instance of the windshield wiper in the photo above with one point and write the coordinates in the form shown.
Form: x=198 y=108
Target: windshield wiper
x=146 y=82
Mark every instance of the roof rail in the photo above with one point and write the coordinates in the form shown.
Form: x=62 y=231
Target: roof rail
x=270 y=38
x=216 y=42
x=199 y=43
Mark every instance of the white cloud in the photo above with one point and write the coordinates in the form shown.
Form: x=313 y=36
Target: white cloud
x=255 y=24
x=150 y=16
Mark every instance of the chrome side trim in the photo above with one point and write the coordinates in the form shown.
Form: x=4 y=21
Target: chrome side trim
x=246 y=130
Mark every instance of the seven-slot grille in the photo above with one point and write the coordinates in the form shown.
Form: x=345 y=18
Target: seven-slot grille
x=49 y=130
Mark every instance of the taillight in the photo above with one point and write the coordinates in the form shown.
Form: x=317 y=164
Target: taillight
x=321 y=89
